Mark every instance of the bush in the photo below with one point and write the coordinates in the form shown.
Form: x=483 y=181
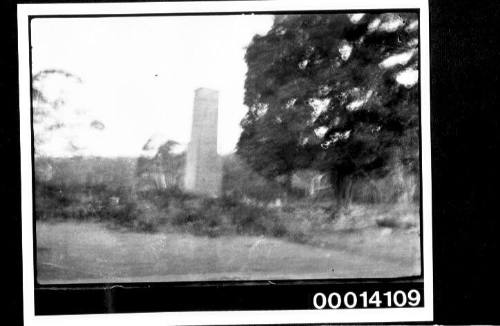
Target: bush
x=398 y=186
x=225 y=215
x=240 y=181
x=147 y=211
x=83 y=202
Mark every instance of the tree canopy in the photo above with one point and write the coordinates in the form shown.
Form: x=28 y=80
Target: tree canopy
x=55 y=118
x=165 y=161
x=334 y=93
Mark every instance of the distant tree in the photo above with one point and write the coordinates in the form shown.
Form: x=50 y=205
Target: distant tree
x=48 y=115
x=333 y=93
x=165 y=162
x=169 y=161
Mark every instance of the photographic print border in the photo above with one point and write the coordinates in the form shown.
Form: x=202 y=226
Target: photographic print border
x=37 y=297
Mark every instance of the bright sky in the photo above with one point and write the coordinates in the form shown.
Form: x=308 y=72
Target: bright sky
x=139 y=75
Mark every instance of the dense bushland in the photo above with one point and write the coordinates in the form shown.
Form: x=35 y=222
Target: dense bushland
x=154 y=209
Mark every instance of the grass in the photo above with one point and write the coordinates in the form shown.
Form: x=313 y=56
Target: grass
x=87 y=252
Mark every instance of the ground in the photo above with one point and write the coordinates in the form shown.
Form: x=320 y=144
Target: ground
x=88 y=252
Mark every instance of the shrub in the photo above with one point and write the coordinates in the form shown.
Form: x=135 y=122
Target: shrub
x=398 y=186
x=82 y=202
x=240 y=181
x=225 y=215
x=147 y=211
x=147 y=217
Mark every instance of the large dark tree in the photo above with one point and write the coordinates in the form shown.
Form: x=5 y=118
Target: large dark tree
x=331 y=92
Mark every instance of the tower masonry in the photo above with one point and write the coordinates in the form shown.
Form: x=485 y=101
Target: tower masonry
x=203 y=168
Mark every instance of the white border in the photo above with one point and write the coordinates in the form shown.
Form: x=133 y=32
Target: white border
x=226 y=317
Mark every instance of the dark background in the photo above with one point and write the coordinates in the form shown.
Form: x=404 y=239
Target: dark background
x=465 y=88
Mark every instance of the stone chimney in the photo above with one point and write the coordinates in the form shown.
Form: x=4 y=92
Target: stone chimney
x=203 y=168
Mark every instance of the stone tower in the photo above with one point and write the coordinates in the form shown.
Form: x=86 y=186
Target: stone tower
x=203 y=169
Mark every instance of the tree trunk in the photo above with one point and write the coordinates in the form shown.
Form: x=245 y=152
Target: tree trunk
x=287 y=185
x=343 y=194
x=288 y=182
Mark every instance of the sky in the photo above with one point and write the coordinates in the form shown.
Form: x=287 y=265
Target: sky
x=138 y=76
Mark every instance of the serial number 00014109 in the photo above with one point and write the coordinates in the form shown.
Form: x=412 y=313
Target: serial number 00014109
x=375 y=299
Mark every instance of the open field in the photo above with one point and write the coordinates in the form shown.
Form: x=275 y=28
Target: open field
x=87 y=252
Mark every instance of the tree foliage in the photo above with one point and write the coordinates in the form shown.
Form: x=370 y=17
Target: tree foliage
x=43 y=105
x=164 y=162
x=53 y=111
x=329 y=92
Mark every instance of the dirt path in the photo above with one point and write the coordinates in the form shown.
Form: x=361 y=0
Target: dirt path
x=73 y=252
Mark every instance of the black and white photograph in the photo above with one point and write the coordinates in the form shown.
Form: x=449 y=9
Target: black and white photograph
x=188 y=147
